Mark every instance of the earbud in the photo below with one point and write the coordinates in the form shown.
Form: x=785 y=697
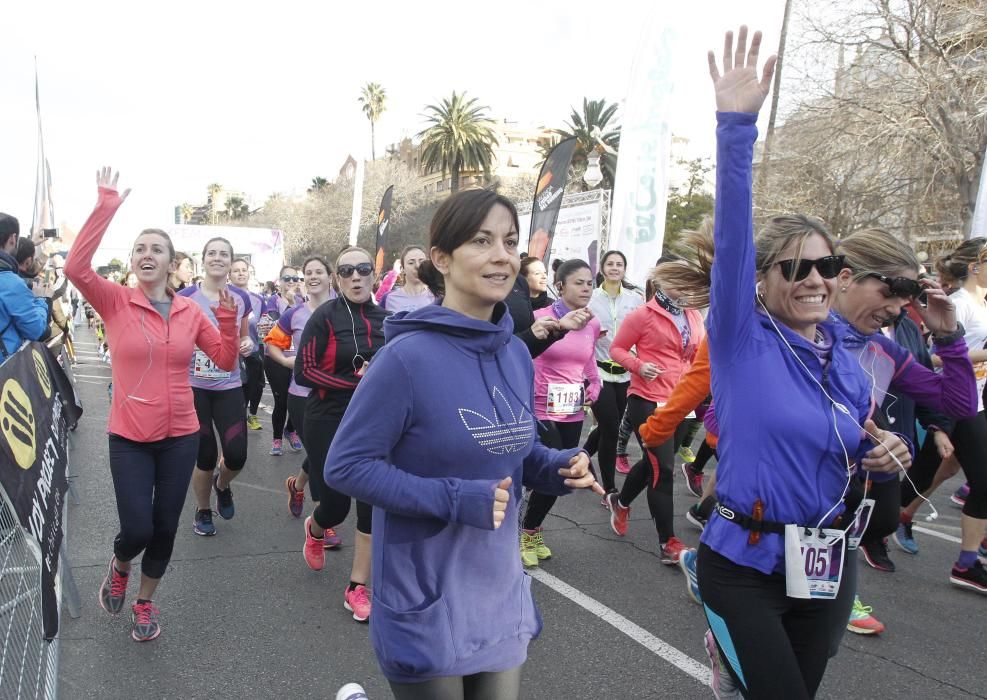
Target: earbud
x=891 y=420
x=843 y=289
x=759 y=289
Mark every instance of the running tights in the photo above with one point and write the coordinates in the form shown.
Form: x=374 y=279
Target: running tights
x=887 y=510
x=253 y=385
x=703 y=455
x=150 y=480
x=970 y=440
x=558 y=436
x=296 y=415
x=609 y=411
x=225 y=410
x=775 y=647
x=279 y=377
x=504 y=685
x=333 y=506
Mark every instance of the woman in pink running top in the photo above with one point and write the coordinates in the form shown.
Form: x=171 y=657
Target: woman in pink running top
x=566 y=383
x=153 y=430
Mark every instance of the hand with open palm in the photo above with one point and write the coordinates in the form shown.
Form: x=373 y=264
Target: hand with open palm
x=737 y=88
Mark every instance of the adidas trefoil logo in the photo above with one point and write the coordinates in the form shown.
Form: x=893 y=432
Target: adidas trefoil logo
x=496 y=436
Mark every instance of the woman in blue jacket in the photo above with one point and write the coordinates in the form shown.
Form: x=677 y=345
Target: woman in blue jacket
x=443 y=461
x=768 y=573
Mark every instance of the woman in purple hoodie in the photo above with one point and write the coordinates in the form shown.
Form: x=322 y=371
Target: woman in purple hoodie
x=443 y=462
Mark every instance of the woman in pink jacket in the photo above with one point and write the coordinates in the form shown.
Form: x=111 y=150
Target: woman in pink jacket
x=566 y=383
x=666 y=337
x=153 y=429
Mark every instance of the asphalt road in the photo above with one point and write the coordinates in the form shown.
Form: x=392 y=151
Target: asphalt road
x=243 y=617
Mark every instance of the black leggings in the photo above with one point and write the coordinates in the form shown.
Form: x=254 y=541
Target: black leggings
x=609 y=410
x=658 y=461
x=558 y=436
x=296 y=415
x=691 y=430
x=887 y=510
x=333 y=506
x=279 y=377
x=224 y=409
x=970 y=440
x=703 y=455
x=150 y=480
x=253 y=387
x=774 y=646
x=504 y=685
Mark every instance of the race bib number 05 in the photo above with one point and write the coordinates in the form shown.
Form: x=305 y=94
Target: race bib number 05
x=813 y=562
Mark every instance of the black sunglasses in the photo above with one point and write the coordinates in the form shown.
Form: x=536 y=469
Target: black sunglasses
x=346 y=271
x=828 y=267
x=291 y=278
x=899 y=286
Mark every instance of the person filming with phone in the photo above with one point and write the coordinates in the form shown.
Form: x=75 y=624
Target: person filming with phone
x=23 y=313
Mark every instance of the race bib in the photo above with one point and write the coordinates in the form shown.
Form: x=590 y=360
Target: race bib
x=860 y=521
x=813 y=562
x=264 y=326
x=205 y=368
x=564 y=399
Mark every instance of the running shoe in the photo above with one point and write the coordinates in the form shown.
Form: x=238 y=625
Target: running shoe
x=876 y=555
x=672 y=551
x=224 y=499
x=357 y=602
x=694 y=516
x=973 y=578
x=276 y=450
x=113 y=591
x=541 y=549
x=603 y=501
x=253 y=423
x=144 y=617
x=960 y=494
x=687 y=562
x=861 y=621
x=904 y=539
x=296 y=497
x=623 y=465
x=331 y=540
x=529 y=557
x=722 y=682
x=294 y=442
x=693 y=480
x=687 y=455
x=314 y=550
x=202 y=525
x=618 y=514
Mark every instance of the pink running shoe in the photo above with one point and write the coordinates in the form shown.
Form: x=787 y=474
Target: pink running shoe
x=113 y=591
x=296 y=497
x=357 y=602
x=315 y=553
x=294 y=442
x=671 y=551
x=331 y=540
x=623 y=466
x=618 y=514
x=144 y=617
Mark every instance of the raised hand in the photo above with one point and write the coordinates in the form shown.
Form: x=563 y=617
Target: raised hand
x=737 y=88
x=890 y=453
x=576 y=319
x=226 y=300
x=501 y=497
x=106 y=178
x=940 y=314
x=579 y=476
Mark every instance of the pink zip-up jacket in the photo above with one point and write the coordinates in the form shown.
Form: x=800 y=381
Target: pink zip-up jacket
x=152 y=399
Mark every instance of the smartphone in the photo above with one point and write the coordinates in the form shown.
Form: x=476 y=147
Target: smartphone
x=49 y=232
x=922 y=299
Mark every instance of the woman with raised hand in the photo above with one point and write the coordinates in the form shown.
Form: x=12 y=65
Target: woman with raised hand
x=460 y=626
x=410 y=292
x=218 y=395
x=153 y=428
x=279 y=374
x=337 y=343
x=770 y=562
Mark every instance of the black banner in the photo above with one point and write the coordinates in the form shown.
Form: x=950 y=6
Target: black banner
x=383 y=219
x=548 y=199
x=37 y=406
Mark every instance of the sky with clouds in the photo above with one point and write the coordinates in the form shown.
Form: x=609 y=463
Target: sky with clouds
x=261 y=97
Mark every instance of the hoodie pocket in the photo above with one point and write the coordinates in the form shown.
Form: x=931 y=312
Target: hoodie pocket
x=416 y=642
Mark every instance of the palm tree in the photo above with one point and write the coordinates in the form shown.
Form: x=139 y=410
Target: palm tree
x=596 y=114
x=460 y=138
x=373 y=98
x=213 y=190
x=236 y=208
x=187 y=211
x=318 y=184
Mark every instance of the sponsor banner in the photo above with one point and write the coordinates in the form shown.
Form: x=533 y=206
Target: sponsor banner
x=577 y=230
x=383 y=221
x=548 y=199
x=641 y=184
x=34 y=420
x=263 y=247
